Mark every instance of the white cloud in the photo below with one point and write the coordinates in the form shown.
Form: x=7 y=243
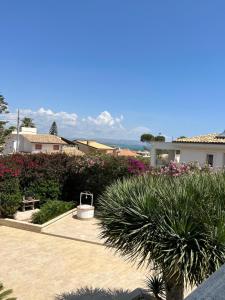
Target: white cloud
x=104 y=125
x=105 y=119
x=61 y=117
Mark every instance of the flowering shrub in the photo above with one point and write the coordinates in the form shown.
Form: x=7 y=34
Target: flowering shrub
x=59 y=176
x=92 y=174
x=7 y=169
x=175 y=169
x=137 y=167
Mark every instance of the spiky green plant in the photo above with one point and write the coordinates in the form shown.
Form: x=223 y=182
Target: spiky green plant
x=176 y=224
x=156 y=286
x=5 y=294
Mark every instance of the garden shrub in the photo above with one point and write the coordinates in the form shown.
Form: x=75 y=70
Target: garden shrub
x=9 y=204
x=44 y=190
x=92 y=173
x=10 y=196
x=59 y=176
x=50 y=210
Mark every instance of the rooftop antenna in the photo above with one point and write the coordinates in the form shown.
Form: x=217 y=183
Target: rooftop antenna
x=17 y=130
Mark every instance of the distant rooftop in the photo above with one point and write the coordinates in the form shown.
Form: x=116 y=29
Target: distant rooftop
x=212 y=138
x=43 y=138
x=126 y=152
x=95 y=145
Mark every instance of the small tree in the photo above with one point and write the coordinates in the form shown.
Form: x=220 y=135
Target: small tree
x=173 y=223
x=53 y=130
x=160 y=138
x=147 y=137
x=3 y=105
x=27 y=122
x=4 y=132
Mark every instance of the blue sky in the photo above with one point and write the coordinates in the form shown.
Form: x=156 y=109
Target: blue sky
x=115 y=68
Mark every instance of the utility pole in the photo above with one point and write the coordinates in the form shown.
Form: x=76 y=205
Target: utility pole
x=18 y=130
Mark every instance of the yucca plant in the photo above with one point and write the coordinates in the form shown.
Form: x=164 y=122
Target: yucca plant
x=174 y=224
x=5 y=293
x=156 y=286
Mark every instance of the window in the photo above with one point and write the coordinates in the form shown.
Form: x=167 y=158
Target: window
x=209 y=159
x=38 y=146
x=55 y=147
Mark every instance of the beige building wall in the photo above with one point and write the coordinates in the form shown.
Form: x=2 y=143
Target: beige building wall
x=192 y=152
x=46 y=148
x=188 y=155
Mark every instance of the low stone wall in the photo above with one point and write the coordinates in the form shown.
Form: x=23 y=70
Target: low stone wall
x=21 y=225
x=30 y=226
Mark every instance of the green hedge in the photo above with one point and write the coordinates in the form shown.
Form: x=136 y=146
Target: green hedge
x=62 y=177
x=44 y=190
x=10 y=197
x=50 y=210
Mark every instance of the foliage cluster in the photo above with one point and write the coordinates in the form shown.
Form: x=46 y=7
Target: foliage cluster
x=10 y=196
x=148 y=137
x=4 y=131
x=59 y=176
x=50 y=210
x=173 y=222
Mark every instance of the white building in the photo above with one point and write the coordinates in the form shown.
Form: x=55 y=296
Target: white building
x=29 y=141
x=205 y=149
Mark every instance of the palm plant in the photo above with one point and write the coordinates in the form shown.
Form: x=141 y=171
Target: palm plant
x=5 y=294
x=27 y=122
x=174 y=224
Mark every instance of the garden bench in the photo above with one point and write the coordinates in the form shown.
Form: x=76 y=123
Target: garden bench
x=29 y=203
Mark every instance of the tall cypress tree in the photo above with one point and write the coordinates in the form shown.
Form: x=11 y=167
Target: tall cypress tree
x=53 y=130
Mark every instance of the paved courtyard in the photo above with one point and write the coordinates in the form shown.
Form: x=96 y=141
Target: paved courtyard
x=39 y=266
x=71 y=227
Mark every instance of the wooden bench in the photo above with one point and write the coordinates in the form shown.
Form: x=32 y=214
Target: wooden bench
x=29 y=203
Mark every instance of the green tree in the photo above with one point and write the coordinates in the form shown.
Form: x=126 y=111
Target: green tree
x=27 y=122
x=160 y=138
x=53 y=129
x=182 y=137
x=3 y=105
x=4 y=131
x=173 y=224
x=147 y=137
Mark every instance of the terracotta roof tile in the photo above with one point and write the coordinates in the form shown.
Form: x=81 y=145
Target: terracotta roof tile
x=95 y=145
x=212 y=138
x=43 y=138
x=126 y=152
